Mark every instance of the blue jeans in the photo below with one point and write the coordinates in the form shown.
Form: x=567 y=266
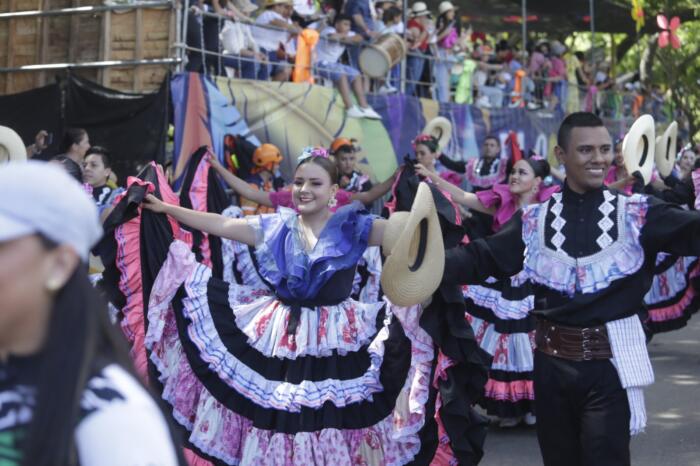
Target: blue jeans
x=443 y=67
x=334 y=71
x=414 y=71
x=245 y=67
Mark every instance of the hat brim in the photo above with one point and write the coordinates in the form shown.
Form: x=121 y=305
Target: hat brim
x=639 y=146
x=12 y=148
x=420 y=13
x=416 y=253
x=665 y=156
x=441 y=129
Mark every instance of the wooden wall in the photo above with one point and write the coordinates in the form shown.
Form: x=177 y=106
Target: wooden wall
x=123 y=35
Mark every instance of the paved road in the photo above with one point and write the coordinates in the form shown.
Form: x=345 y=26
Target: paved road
x=672 y=437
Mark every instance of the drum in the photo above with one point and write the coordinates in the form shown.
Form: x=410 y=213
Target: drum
x=378 y=58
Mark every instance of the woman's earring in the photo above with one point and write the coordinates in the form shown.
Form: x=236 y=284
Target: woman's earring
x=332 y=202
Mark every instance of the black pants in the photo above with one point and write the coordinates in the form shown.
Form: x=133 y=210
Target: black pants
x=582 y=413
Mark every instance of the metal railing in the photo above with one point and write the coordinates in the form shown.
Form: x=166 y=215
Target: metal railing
x=614 y=103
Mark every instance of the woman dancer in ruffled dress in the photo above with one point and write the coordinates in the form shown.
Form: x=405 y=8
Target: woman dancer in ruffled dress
x=302 y=374
x=499 y=311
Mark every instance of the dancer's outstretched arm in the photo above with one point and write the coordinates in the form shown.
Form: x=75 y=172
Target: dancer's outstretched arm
x=469 y=200
x=241 y=187
x=236 y=229
x=500 y=255
x=377 y=191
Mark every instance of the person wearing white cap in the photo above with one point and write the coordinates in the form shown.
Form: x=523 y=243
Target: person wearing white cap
x=418 y=38
x=66 y=397
x=447 y=34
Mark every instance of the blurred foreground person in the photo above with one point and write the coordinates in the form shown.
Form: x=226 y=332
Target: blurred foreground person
x=66 y=396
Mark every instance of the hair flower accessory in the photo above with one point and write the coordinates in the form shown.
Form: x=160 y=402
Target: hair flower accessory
x=311 y=151
x=423 y=138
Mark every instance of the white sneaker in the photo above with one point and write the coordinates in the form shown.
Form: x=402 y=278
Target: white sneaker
x=371 y=114
x=387 y=89
x=355 y=112
x=508 y=422
x=530 y=419
x=483 y=102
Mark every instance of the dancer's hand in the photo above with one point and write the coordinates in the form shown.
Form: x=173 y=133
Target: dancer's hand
x=154 y=204
x=424 y=172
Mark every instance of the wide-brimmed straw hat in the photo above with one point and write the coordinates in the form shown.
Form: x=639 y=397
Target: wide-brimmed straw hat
x=441 y=129
x=11 y=146
x=415 y=252
x=419 y=9
x=445 y=6
x=639 y=146
x=665 y=156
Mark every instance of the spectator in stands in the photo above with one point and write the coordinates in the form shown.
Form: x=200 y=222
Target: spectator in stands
x=583 y=75
x=418 y=38
x=305 y=13
x=242 y=52
x=360 y=11
x=75 y=144
x=328 y=51
x=556 y=88
x=511 y=65
x=97 y=169
x=447 y=34
x=272 y=39
x=351 y=179
x=393 y=24
x=538 y=70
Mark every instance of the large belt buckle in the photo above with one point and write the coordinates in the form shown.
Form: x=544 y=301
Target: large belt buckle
x=587 y=353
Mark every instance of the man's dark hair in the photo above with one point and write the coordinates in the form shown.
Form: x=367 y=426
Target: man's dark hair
x=342 y=17
x=103 y=153
x=580 y=56
x=492 y=136
x=390 y=13
x=576 y=120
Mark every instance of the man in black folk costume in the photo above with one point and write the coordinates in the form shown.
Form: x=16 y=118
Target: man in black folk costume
x=590 y=252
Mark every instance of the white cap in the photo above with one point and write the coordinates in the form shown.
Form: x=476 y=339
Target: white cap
x=40 y=197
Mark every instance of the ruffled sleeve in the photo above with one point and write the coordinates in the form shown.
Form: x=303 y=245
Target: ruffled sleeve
x=499 y=198
x=299 y=274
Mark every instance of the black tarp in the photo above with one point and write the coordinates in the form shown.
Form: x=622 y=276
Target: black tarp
x=29 y=112
x=132 y=126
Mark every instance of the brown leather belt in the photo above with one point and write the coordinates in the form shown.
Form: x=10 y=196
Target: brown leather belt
x=573 y=343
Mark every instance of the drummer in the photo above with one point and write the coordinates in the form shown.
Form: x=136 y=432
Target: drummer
x=328 y=51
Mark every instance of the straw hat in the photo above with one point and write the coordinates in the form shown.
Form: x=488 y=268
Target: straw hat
x=269 y=3
x=638 y=147
x=419 y=9
x=415 y=252
x=11 y=146
x=445 y=6
x=665 y=156
x=441 y=129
